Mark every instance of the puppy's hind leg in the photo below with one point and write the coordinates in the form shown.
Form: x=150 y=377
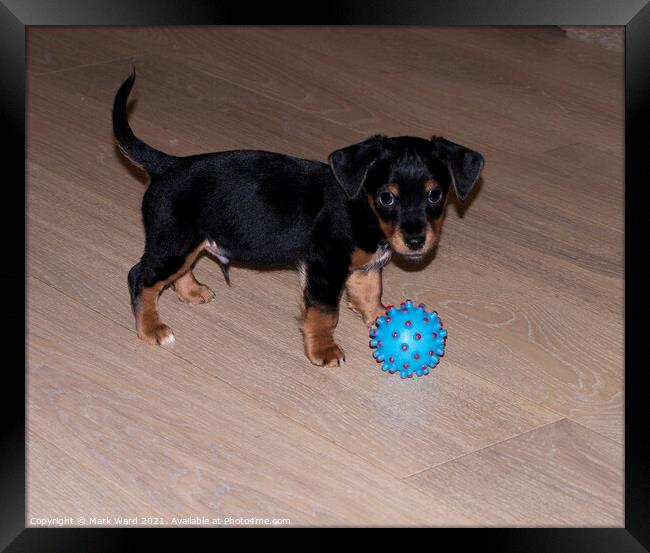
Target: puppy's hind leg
x=144 y=302
x=190 y=290
x=157 y=269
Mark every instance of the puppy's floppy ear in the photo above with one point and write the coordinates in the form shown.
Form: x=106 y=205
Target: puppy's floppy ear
x=351 y=165
x=465 y=165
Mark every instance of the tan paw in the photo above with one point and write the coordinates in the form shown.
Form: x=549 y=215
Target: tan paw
x=159 y=334
x=328 y=354
x=369 y=316
x=195 y=295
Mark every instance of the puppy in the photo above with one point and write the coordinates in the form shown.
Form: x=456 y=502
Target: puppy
x=338 y=223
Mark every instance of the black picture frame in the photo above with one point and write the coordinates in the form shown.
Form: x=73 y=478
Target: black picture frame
x=16 y=15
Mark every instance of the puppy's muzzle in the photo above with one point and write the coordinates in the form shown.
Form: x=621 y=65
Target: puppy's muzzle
x=415 y=242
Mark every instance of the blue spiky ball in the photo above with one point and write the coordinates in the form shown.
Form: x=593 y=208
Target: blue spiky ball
x=408 y=339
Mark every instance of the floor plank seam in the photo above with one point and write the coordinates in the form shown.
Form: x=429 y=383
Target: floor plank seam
x=483 y=448
x=82 y=66
x=608 y=438
x=294 y=107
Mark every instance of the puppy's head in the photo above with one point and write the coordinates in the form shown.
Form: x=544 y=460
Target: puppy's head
x=406 y=181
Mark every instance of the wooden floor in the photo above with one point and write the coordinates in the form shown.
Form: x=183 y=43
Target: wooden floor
x=521 y=423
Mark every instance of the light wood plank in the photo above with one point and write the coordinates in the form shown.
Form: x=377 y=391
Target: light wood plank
x=59 y=486
x=59 y=48
x=187 y=443
x=558 y=475
x=520 y=73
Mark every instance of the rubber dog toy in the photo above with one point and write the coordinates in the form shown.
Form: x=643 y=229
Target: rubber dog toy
x=408 y=339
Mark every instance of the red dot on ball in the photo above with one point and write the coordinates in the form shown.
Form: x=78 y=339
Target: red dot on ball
x=418 y=336
x=405 y=365
x=430 y=352
x=388 y=319
x=389 y=307
x=426 y=319
x=379 y=343
x=408 y=323
x=435 y=334
x=404 y=347
x=394 y=335
x=416 y=356
x=391 y=359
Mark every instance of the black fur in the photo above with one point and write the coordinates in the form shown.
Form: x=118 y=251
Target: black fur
x=272 y=209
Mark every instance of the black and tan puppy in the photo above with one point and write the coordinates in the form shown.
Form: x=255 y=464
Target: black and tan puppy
x=338 y=223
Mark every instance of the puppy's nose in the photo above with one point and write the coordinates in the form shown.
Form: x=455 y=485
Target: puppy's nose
x=414 y=241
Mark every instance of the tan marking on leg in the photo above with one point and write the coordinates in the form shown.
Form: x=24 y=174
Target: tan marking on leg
x=394 y=190
x=147 y=318
x=364 y=295
x=360 y=258
x=318 y=335
x=190 y=290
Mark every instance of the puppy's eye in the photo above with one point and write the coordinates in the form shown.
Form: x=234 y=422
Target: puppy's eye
x=386 y=199
x=435 y=196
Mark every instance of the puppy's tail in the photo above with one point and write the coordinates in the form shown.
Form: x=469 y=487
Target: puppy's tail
x=151 y=160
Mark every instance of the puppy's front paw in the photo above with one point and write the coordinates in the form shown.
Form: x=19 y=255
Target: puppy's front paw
x=324 y=354
x=368 y=315
x=159 y=334
x=370 y=318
